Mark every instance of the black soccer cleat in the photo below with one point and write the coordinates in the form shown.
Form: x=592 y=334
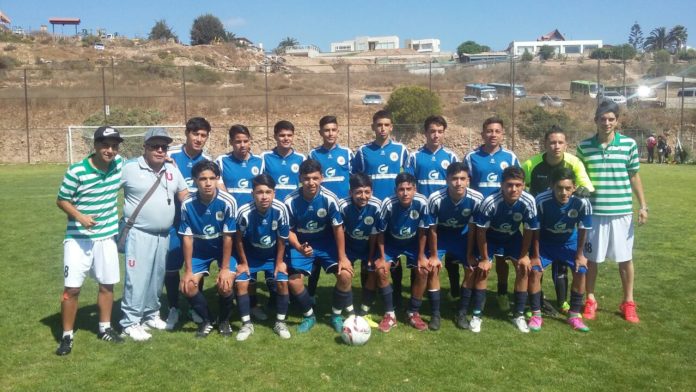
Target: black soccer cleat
x=65 y=346
x=204 y=329
x=109 y=335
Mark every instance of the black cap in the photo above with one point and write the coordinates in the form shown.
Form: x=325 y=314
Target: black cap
x=107 y=132
x=606 y=106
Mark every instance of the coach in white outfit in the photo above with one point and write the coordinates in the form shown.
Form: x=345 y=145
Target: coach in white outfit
x=148 y=240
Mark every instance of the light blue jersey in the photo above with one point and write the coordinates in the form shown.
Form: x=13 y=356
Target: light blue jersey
x=359 y=225
x=261 y=231
x=559 y=222
x=335 y=164
x=487 y=169
x=504 y=220
x=382 y=164
x=313 y=220
x=400 y=224
x=185 y=163
x=284 y=170
x=430 y=168
x=237 y=174
x=207 y=223
x=452 y=220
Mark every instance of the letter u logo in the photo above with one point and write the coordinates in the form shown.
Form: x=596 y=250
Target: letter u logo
x=131 y=263
x=170 y=176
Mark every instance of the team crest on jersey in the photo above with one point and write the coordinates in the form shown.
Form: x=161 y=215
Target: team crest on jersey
x=243 y=183
x=433 y=175
x=445 y=164
x=394 y=156
x=503 y=165
x=330 y=172
x=255 y=170
x=220 y=216
x=466 y=212
x=295 y=167
x=414 y=214
x=369 y=220
x=382 y=169
x=283 y=179
x=573 y=213
x=274 y=225
x=321 y=212
x=341 y=160
x=517 y=217
x=312 y=225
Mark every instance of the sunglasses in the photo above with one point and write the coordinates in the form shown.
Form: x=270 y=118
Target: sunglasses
x=163 y=147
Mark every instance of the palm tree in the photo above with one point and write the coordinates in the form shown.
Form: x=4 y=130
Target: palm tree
x=286 y=43
x=657 y=40
x=677 y=37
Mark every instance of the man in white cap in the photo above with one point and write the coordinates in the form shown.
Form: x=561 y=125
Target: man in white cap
x=147 y=241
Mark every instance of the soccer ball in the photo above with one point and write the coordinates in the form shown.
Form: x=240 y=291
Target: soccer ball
x=356 y=331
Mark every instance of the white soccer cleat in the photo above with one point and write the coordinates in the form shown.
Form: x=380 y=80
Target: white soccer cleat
x=475 y=324
x=172 y=319
x=137 y=333
x=246 y=331
x=521 y=324
x=282 y=330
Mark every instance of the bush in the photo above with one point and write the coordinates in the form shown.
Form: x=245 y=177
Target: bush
x=662 y=57
x=203 y=75
x=8 y=62
x=526 y=56
x=601 y=53
x=411 y=105
x=546 y=52
x=9 y=48
x=121 y=116
x=535 y=122
x=687 y=55
x=162 y=32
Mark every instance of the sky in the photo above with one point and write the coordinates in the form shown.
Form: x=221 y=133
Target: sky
x=492 y=23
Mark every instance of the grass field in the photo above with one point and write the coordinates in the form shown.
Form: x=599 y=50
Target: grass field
x=657 y=354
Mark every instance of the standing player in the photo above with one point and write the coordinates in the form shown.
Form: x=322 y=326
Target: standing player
x=283 y=162
x=262 y=229
x=612 y=162
x=184 y=156
x=404 y=230
x=564 y=220
x=429 y=165
x=316 y=233
x=498 y=234
x=487 y=164
x=452 y=210
x=89 y=238
x=207 y=226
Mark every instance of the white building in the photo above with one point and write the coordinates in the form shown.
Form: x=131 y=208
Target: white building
x=557 y=41
x=364 y=44
x=428 y=45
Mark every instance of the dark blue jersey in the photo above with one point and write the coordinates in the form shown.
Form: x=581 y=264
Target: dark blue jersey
x=430 y=168
x=359 y=224
x=207 y=223
x=503 y=220
x=237 y=174
x=185 y=163
x=284 y=170
x=559 y=222
x=261 y=231
x=335 y=166
x=487 y=169
x=453 y=218
x=313 y=220
x=382 y=164
x=400 y=224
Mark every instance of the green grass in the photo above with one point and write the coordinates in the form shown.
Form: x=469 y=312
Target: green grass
x=657 y=354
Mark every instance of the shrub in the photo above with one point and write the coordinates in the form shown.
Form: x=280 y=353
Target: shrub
x=535 y=122
x=411 y=105
x=9 y=48
x=203 y=75
x=526 y=56
x=546 y=52
x=8 y=62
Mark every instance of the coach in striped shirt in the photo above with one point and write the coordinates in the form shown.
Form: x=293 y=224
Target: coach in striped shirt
x=88 y=195
x=612 y=163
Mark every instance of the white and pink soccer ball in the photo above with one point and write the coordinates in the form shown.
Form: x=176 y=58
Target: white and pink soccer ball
x=356 y=331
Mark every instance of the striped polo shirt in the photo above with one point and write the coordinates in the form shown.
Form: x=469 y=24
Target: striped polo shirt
x=93 y=192
x=609 y=170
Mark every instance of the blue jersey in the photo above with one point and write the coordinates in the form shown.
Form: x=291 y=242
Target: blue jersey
x=487 y=169
x=400 y=224
x=261 y=231
x=503 y=219
x=284 y=170
x=185 y=163
x=208 y=222
x=430 y=168
x=452 y=219
x=313 y=220
x=335 y=164
x=237 y=174
x=382 y=164
x=559 y=222
x=359 y=224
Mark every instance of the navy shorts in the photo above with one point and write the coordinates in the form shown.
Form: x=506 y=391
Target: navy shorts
x=200 y=263
x=175 y=255
x=392 y=254
x=256 y=266
x=509 y=248
x=558 y=253
x=300 y=264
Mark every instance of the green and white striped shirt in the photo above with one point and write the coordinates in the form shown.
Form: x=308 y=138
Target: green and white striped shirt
x=92 y=192
x=609 y=170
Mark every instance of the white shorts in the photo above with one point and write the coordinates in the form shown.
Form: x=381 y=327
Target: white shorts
x=99 y=258
x=611 y=237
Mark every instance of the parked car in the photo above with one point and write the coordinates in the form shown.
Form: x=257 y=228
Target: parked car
x=372 y=99
x=550 y=101
x=613 y=96
x=471 y=99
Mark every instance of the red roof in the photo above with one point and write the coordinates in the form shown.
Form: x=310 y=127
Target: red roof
x=64 y=21
x=552 y=36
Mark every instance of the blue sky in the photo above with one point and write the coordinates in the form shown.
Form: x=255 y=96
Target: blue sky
x=493 y=23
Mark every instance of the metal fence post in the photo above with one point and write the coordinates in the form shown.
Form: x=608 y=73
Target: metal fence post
x=106 y=114
x=348 y=100
x=183 y=88
x=265 y=76
x=512 y=96
x=26 y=115
x=430 y=74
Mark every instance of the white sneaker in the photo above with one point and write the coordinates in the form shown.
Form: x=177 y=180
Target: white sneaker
x=155 y=323
x=172 y=319
x=137 y=333
x=281 y=329
x=475 y=324
x=246 y=331
x=258 y=313
x=521 y=324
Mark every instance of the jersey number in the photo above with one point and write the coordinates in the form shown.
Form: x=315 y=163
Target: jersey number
x=588 y=247
x=65 y=271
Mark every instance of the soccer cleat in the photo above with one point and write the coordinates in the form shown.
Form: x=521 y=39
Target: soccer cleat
x=337 y=323
x=388 y=322
x=521 y=324
x=172 y=319
x=577 y=324
x=462 y=321
x=548 y=309
x=434 y=323
x=372 y=323
x=109 y=335
x=65 y=346
x=246 y=331
x=306 y=324
x=155 y=323
x=503 y=303
x=565 y=307
x=225 y=329
x=628 y=309
x=195 y=317
x=590 y=309
x=535 y=323
x=475 y=324
x=281 y=329
x=204 y=329
x=258 y=313
x=137 y=333
x=415 y=320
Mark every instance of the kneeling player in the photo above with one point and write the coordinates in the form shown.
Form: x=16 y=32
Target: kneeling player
x=499 y=220
x=404 y=230
x=262 y=229
x=316 y=234
x=564 y=221
x=207 y=225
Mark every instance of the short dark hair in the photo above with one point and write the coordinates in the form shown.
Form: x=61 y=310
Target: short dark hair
x=196 y=123
x=606 y=106
x=310 y=166
x=404 y=177
x=281 y=125
x=204 y=165
x=554 y=129
x=439 y=120
x=380 y=114
x=359 y=180
x=263 y=179
x=562 y=173
x=513 y=172
x=492 y=120
x=456 y=167
x=327 y=120
x=237 y=129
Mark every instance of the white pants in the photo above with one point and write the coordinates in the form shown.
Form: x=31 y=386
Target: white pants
x=99 y=258
x=611 y=237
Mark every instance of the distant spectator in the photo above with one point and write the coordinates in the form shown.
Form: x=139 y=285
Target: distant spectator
x=651 y=143
x=661 y=149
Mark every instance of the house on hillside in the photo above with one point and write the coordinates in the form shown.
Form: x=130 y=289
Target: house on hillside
x=426 y=45
x=557 y=41
x=243 y=42
x=366 y=44
x=4 y=21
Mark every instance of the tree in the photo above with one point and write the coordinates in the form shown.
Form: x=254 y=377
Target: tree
x=411 y=105
x=526 y=56
x=546 y=52
x=601 y=53
x=471 y=47
x=206 y=29
x=623 y=52
x=162 y=32
x=677 y=38
x=536 y=121
x=635 y=38
x=662 y=57
x=286 y=43
x=657 y=40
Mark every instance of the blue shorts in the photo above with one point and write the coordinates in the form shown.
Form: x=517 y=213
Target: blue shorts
x=509 y=248
x=565 y=254
x=175 y=255
x=392 y=256
x=300 y=264
x=454 y=252
x=265 y=266
x=200 y=264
